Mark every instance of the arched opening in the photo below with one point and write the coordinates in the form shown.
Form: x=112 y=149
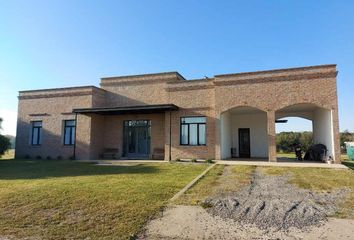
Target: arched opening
x=307 y=123
x=244 y=133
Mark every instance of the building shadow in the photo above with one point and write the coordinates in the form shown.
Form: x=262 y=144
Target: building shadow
x=43 y=169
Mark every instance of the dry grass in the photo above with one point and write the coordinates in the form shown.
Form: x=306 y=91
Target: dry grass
x=68 y=200
x=322 y=180
x=219 y=180
x=10 y=154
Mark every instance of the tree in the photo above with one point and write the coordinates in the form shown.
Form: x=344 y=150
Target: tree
x=286 y=140
x=4 y=142
x=345 y=136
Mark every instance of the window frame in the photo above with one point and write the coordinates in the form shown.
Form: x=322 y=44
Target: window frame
x=72 y=139
x=39 y=133
x=188 y=131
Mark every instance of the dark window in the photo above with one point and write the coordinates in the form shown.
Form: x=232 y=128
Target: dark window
x=69 y=132
x=36 y=134
x=193 y=131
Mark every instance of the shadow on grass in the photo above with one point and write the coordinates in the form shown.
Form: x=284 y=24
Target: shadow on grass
x=41 y=169
x=349 y=164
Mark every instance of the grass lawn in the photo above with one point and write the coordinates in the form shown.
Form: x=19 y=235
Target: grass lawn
x=48 y=199
x=217 y=182
x=347 y=162
x=344 y=158
x=286 y=155
x=322 y=180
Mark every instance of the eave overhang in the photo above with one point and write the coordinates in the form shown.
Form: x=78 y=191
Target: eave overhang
x=142 y=109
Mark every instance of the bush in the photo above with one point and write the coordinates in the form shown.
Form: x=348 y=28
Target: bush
x=72 y=158
x=27 y=156
x=206 y=204
x=193 y=160
x=59 y=157
x=38 y=157
x=4 y=144
x=209 y=161
x=178 y=160
x=49 y=157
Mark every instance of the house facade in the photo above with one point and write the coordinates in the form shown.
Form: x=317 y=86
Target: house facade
x=165 y=116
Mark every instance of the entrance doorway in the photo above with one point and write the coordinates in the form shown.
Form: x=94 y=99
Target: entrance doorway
x=136 y=139
x=244 y=142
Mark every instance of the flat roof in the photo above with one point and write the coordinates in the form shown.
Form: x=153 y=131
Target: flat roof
x=158 y=108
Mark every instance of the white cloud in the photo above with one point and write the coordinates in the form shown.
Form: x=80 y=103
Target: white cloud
x=9 y=121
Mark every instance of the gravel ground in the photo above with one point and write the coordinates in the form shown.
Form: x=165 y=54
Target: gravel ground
x=194 y=222
x=270 y=201
x=268 y=208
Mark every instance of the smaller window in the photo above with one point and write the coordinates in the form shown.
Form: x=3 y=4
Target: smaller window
x=69 y=132
x=36 y=133
x=193 y=131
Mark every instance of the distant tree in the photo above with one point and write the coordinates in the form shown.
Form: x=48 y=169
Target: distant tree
x=285 y=141
x=4 y=142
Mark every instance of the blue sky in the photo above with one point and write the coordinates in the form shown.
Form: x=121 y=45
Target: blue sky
x=46 y=44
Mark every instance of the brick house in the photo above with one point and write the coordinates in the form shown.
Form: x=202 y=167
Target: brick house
x=164 y=116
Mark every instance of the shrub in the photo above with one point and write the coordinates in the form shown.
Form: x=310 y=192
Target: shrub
x=206 y=204
x=178 y=160
x=27 y=156
x=72 y=158
x=209 y=161
x=38 y=157
x=49 y=158
x=4 y=144
x=193 y=160
x=59 y=157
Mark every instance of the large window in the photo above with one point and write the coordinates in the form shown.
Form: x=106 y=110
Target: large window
x=193 y=131
x=36 y=133
x=69 y=132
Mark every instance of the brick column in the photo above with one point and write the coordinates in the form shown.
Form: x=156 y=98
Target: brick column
x=336 y=137
x=167 y=136
x=272 y=150
x=217 y=136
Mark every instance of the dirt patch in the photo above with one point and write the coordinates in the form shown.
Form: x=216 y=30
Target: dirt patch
x=270 y=201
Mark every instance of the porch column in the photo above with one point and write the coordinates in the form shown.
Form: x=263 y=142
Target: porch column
x=272 y=150
x=217 y=136
x=336 y=136
x=168 y=136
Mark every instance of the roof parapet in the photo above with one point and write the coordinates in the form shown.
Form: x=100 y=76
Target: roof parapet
x=288 y=71
x=149 y=76
x=60 y=92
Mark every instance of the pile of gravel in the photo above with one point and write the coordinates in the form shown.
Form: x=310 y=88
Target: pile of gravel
x=270 y=201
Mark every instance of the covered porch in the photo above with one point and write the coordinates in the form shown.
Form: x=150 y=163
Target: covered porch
x=132 y=132
x=249 y=133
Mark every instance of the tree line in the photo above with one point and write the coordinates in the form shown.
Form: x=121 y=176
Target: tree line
x=5 y=143
x=286 y=140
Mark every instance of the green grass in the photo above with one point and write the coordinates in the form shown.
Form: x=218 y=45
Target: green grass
x=347 y=162
x=214 y=183
x=286 y=155
x=68 y=200
x=322 y=180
